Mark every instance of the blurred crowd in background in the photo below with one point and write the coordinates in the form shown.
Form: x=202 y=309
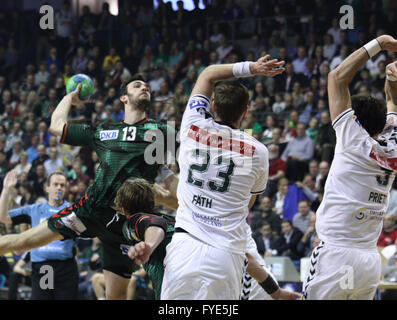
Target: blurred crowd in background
x=288 y=113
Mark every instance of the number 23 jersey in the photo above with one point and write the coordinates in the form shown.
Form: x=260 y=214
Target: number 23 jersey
x=220 y=169
x=358 y=184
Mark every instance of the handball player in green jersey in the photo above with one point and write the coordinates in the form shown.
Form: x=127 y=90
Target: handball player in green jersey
x=121 y=151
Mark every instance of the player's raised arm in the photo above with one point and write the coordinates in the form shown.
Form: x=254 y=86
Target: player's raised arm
x=10 y=181
x=60 y=115
x=340 y=78
x=218 y=72
x=391 y=87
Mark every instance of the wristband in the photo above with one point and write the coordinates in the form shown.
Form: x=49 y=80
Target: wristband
x=373 y=48
x=242 y=69
x=269 y=285
x=391 y=78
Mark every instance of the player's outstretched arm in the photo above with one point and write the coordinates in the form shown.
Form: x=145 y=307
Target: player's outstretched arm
x=218 y=72
x=340 y=78
x=10 y=181
x=256 y=271
x=142 y=250
x=391 y=87
x=60 y=115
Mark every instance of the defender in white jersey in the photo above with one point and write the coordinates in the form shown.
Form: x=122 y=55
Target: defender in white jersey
x=346 y=264
x=221 y=171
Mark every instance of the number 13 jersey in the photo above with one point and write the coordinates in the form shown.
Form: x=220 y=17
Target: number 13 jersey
x=220 y=169
x=358 y=184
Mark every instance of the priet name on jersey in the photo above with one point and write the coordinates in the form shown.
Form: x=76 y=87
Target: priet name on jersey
x=377 y=197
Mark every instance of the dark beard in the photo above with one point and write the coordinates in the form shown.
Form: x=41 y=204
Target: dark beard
x=143 y=104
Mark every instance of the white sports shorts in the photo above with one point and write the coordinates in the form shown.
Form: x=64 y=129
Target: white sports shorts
x=341 y=273
x=195 y=270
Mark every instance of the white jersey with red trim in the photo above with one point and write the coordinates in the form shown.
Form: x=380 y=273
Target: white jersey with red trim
x=358 y=184
x=220 y=169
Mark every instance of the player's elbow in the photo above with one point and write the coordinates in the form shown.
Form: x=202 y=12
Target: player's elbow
x=333 y=76
x=56 y=127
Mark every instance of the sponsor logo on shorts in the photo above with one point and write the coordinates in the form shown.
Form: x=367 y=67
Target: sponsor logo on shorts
x=124 y=248
x=73 y=222
x=108 y=134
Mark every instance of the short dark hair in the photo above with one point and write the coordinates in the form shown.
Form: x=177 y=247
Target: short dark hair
x=124 y=84
x=55 y=173
x=370 y=112
x=135 y=195
x=231 y=99
x=287 y=221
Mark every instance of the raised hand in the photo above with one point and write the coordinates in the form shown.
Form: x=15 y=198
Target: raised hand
x=75 y=96
x=387 y=43
x=10 y=179
x=266 y=67
x=391 y=69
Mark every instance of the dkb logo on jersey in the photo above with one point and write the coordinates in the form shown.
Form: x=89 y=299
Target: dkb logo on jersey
x=108 y=134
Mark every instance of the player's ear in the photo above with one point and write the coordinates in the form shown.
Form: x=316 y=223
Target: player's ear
x=213 y=107
x=123 y=99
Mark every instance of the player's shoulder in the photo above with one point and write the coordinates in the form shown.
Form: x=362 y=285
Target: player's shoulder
x=259 y=147
x=345 y=116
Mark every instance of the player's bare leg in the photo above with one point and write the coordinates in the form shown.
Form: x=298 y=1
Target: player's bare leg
x=36 y=237
x=116 y=286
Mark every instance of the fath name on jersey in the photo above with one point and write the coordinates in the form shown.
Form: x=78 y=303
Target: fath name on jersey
x=202 y=201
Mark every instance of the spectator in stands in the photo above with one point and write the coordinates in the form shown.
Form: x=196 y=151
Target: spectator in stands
x=287 y=243
x=41 y=156
x=285 y=81
x=224 y=49
x=266 y=213
x=157 y=79
x=37 y=178
x=277 y=169
x=54 y=162
x=389 y=232
x=322 y=175
x=298 y=153
x=326 y=138
x=80 y=61
x=16 y=152
x=42 y=74
x=265 y=240
x=307 y=107
x=23 y=165
x=280 y=196
x=271 y=124
x=308 y=241
x=15 y=134
x=336 y=61
x=312 y=130
x=300 y=62
x=110 y=60
x=302 y=217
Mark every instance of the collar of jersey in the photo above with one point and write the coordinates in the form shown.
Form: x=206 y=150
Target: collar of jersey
x=139 y=122
x=225 y=124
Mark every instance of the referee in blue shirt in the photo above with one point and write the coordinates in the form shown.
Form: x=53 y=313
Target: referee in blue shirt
x=59 y=255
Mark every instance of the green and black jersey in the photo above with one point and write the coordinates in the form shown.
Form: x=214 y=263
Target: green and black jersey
x=124 y=151
x=134 y=229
